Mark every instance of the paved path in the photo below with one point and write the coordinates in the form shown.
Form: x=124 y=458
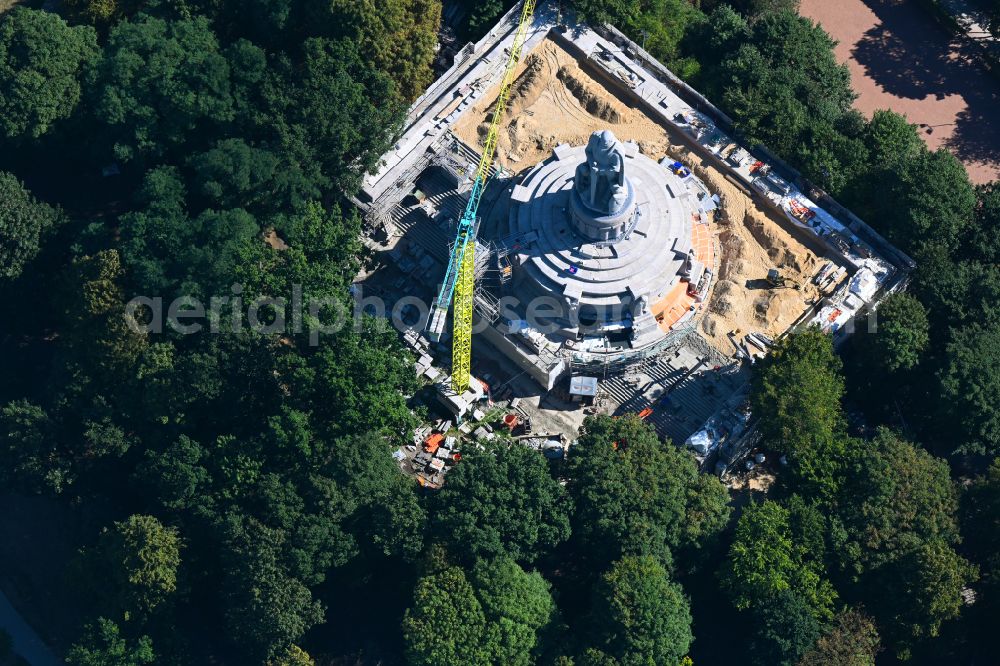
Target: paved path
x=902 y=60
x=973 y=20
x=26 y=641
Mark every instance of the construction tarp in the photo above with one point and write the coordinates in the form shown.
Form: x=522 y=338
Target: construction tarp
x=701 y=442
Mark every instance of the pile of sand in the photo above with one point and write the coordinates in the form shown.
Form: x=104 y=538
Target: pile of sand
x=751 y=242
x=588 y=98
x=553 y=101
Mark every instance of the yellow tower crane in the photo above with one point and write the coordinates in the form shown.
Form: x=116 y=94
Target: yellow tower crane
x=460 y=281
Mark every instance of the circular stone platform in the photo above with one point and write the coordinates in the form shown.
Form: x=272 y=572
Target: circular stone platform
x=600 y=284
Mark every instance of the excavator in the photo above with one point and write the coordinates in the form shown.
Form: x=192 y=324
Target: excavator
x=775 y=280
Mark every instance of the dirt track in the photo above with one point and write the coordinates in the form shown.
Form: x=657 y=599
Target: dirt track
x=901 y=60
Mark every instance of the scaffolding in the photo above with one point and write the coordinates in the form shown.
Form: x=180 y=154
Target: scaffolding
x=460 y=283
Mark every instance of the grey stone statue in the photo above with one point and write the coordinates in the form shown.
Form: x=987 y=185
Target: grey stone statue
x=601 y=180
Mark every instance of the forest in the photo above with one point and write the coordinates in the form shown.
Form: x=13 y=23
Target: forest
x=231 y=499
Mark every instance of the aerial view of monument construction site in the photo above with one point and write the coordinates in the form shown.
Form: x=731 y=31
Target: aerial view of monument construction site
x=502 y=332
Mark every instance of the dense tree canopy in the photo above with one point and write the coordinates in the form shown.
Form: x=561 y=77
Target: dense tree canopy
x=102 y=13
x=498 y=616
x=519 y=609
x=776 y=75
x=232 y=490
x=984 y=241
x=928 y=216
x=919 y=591
x=636 y=495
x=899 y=515
x=23 y=223
x=903 y=332
x=103 y=645
x=483 y=14
x=852 y=641
x=442 y=625
x=768 y=557
x=797 y=392
x=398 y=37
x=30 y=454
x=981 y=528
x=786 y=629
x=896 y=496
x=41 y=62
x=156 y=83
x=641 y=616
x=503 y=503
x=137 y=559
x=269 y=609
x=971 y=384
x=981 y=516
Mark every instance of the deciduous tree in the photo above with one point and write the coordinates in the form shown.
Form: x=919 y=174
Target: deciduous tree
x=503 y=502
x=23 y=223
x=796 y=397
x=896 y=497
x=768 y=557
x=984 y=241
x=446 y=623
x=785 y=627
x=928 y=204
x=160 y=85
x=41 y=63
x=175 y=476
x=903 y=332
x=852 y=640
x=970 y=384
x=917 y=592
x=103 y=645
x=399 y=37
x=519 y=610
x=267 y=610
x=30 y=455
x=636 y=495
x=136 y=562
x=640 y=616
x=899 y=531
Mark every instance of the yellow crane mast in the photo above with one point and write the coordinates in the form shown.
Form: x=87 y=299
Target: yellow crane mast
x=460 y=280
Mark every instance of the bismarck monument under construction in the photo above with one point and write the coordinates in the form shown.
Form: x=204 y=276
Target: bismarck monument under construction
x=606 y=232
x=623 y=238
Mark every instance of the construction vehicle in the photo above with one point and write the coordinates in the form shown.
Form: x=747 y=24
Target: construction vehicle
x=459 y=281
x=775 y=280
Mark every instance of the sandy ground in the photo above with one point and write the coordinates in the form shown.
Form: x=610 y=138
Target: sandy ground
x=555 y=102
x=751 y=242
x=900 y=59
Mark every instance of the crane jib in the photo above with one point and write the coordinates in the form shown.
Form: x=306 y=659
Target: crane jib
x=467 y=224
x=458 y=287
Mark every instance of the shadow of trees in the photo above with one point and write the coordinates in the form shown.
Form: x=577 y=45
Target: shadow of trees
x=912 y=58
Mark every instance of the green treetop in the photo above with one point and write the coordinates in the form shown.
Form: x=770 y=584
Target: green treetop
x=41 y=63
x=640 y=616
x=503 y=502
x=636 y=495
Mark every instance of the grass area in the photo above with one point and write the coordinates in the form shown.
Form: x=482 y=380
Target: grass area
x=7 y=5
